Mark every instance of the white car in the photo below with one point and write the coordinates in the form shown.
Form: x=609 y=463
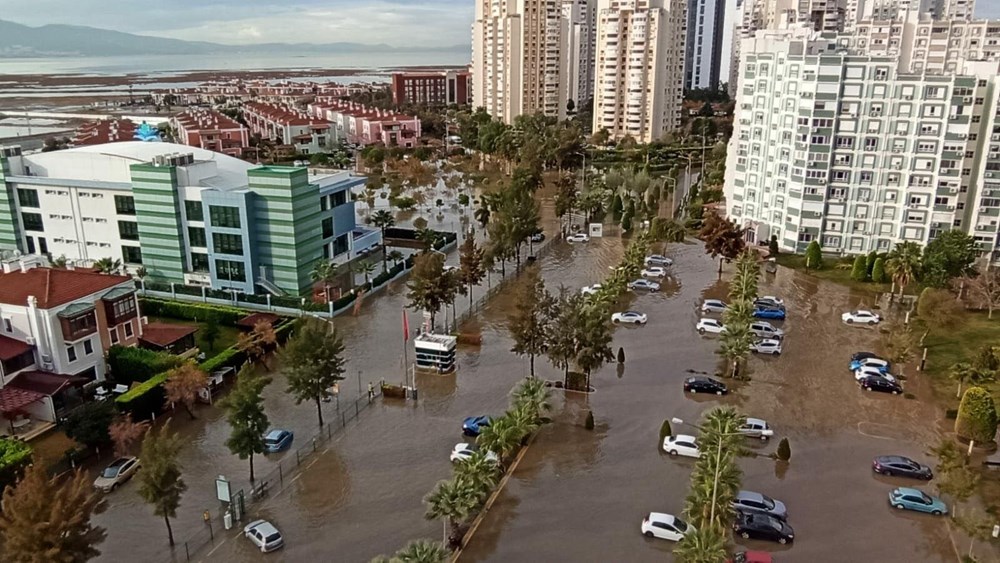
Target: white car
x=644 y=284
x=578 y=237
x=681 y=444
x=264 y=535
x=764 y=329
x=766 y=346
x=875 y=363
x=712 y=326
x=771 y=299
x=463 y=451
x=755 y=428
x=591 y=289
x=658 y=260
x=665 y=527
x=860 y=316
x=871 y=371
x=713 y=306
x=654 y=272
x=633 y=317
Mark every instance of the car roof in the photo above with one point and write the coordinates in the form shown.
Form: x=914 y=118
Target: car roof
x=264 y=527
x=462 y=446
x=909 y=491
x=770 y=342
x=719 y=301
x=892 y=458
x=702 y=378
x=751 y=420
x=662 y=517
x=685 y=437
x=749 y=495
x=276 y=433
x=632 y=313
x=121 y=461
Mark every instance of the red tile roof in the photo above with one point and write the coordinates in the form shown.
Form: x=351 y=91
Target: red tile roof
x=104 y=131
x=13 y=399
x=10 y=348
x=44 y=383
x=52 y=286
x=165 y=334
x=252 y=319
x=206 y=120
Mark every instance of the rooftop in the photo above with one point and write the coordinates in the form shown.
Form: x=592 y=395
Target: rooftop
x=206 y=119
x=165 y=334
x=53 y=287
x=11 y=348
x=44 y=383
x=251 y=320
x=104 y=131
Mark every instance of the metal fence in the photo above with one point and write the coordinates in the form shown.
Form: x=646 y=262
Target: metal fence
x=245 y=498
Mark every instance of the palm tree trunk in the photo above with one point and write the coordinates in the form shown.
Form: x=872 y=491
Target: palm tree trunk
x=531 y=362
x=170 y=531
x=251 y=468
x=319 y=411
x=959 y=394
x=720 y=267
x=444 y=532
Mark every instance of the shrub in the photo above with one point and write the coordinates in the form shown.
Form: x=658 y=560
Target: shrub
x=665 y=430
x=89 y=423
x=870 y=262
x=784 y=452
x=860 y=271
x=814 y=256
x=621 y=355
x=772 y=245
x=129 y=364
x=15 y=455
x=198 y=312
x=977 y=416
x=589 y=424
x=878 y=270
x=230 y=357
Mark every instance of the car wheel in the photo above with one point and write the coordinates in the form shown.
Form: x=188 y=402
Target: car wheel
x=701 y=331
x=928 y=477
x=936 y=513
x=753 y=351
x=777 y=353
x=870 y=323
x=745 y=535
x=850 y=321
x=114 y=487
x=673 y=452
x=616 y=321
x=648 y=534
x=887 y=473
x=898 y=506
x=763 y=438
x=782 y=541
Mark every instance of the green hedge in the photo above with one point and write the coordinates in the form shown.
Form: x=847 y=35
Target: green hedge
x=198 y=312
x=128 y=364
x=15 y=455
x=145 y=399
x=230 y=357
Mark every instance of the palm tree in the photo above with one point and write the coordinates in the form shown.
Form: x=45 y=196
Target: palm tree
x=108 y=266
x=422 y=551
x=325 y=272
x=366 y=268
x=743 y=288
x=428 y=237
x=396 y=256
x=479 y=472
x=383 y=219
x=671 y=230
x=735 y=344
x=482 y=214
x=452 y=501
x=502 y=437
x=963 y=372
x=523 y=420
x=533 y=395
x=903 y=263
x=704 y=545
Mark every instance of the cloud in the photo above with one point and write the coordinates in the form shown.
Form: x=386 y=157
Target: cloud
x=418 y=23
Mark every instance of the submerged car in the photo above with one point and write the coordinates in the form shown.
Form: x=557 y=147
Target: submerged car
x=713 y=306
x=658 y=260
x=902 y=466
x=712 y=326
x=906 y=498
x=463 y=451
x=699 y=384
x=633 y=317
x=264 y=535
x=591 y=289
x=766 y=346
x=766 y=312
x=871 y=362
x=750 y=501
x=681 y=444
x=764 y=329
x=473 y=425
x=665 y=526
x=874 y=383
x=653 y=272
x=277 y=440
x=755 y=428
x=114 y=475
x=860 y=316
x=578 y=237
x=644 y=284
x=762 y=527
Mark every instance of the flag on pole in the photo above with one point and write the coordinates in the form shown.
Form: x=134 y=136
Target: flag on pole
x=406 y=327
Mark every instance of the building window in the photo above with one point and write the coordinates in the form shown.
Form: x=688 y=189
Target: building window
x=194 y=211
x=27 y=197
x=71 y=353
x=113 y=332
x=228 y=244
x=124 y=307
x=328 y=227
x=32 y=221
x=196 y=236
x=230 y=270
x=199 y=262
x=7 y=326
x=88 y=347
x=128 y=230
x=224 y=216
x=124 y=205
x=339 y=198
x=132 y=255
x=128 y=329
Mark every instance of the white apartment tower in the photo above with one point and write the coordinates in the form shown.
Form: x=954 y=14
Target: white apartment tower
x=703 y=57
x=639 y=70
x=861 y=150
x=578 y=33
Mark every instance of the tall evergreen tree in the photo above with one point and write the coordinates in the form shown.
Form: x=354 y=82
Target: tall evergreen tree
x=248 y=422
x=529 y=319
x=160 y=482
x=313 y=360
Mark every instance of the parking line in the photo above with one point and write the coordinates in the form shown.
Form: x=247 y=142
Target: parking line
x=217 y=547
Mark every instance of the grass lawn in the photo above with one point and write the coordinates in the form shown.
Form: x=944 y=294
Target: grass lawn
x=960 y=344
x=830 y=272
x=227 y=335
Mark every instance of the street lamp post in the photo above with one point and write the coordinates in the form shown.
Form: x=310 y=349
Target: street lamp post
x=718 y=461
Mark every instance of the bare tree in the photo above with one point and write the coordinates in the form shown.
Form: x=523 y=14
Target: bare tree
x=183 y=384
x=984 y=290
x=125 y=434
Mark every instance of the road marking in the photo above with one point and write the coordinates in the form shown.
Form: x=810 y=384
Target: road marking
x=217 y=547
x=296 y=478
x=313 y=462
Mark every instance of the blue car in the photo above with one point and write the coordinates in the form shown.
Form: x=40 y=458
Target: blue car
x=915 y=499
x=473 y=425
x=769 y=313
x=277 y=440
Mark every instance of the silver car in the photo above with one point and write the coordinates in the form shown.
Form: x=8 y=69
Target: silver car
x=764 y=329
x=114 y=475
x=755 y=428
x=713 y=306
x=264 y=535
x=749 y=501
x=766 y=346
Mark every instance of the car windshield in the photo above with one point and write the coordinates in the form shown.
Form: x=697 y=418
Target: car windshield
x=111 y=472
x=680 y=525
x=273 y=537
x=925 y=499
x=767 y=501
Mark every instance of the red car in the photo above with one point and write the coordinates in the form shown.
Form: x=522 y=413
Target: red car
x=751 y=557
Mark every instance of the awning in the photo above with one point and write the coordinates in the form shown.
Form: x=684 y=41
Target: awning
x=44 y=383
x=165 y=334
x=10 y=348
x=13 y=399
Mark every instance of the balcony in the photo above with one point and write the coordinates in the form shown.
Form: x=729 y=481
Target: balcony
x=77 y=321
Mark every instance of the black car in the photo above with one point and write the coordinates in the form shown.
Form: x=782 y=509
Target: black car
x=890 y=465
x=762 y=527
x=705 y=385
x=861 y=356
x=874 y=383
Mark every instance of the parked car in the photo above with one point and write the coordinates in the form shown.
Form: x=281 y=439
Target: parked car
x=859 y=356
x=633 y=317
x=890 y=465
x=644 y=284
x=764 y=329
x=873 y=383
x=906 y=498
x=713 y=306
x=658 y=260
x=766 y=312
x=769 y=301
x=700 y=384
x=578 y=237
x=277 y=440
x=755 y=428
x=749 y=501
x=860 y=316
x=473 y=425
x=766 y=346
x=877 y=363
x=463 y=451
x=653 y=272
x=114 y=475
x=762 y=527
x=681 y=444
x=591 y=289
x=264 y=535
x=713 y=326
x=537 y=237
x=665 y=526
x=867 y=371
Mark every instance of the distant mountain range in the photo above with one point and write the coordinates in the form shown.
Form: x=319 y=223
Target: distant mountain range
x=18 y=40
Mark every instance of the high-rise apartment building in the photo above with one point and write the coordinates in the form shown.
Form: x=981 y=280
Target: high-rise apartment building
x=639 y=69
x=858 y=148
x=578 y=32
x=703 y=56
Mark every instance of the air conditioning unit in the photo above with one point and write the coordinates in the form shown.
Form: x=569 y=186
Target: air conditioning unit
x=822 y=182
x=144 y=320
x=29 y=340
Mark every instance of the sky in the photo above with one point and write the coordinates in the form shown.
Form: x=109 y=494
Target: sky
x=402 y=23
